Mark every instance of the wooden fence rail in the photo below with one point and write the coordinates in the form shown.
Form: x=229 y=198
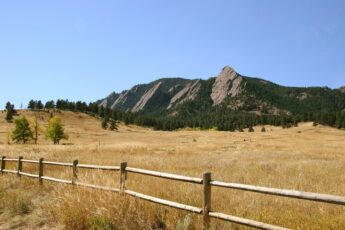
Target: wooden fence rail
x=206 y=182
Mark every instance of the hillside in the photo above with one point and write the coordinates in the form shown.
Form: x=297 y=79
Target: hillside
x=304 y=158
x=80 y=127
x=228 y=89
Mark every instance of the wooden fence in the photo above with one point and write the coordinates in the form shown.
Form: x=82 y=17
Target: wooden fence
x=206 y=182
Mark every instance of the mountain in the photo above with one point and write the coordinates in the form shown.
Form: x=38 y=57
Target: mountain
x=230 y=90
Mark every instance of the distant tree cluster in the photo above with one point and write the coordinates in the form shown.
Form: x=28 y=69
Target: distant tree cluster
x=35 y=105
x=59 y=104
x=336 y=119
x=193 y=114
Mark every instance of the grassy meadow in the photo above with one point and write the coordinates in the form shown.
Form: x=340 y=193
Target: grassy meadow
x=304 y=158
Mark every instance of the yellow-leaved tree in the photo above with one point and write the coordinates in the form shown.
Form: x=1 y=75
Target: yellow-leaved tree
x=55 y=130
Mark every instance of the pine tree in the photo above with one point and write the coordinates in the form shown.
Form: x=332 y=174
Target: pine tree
x=113 y=125
x=127 y=119
x=49 y=105
x=9 y=112
x=32 y=105
x=104 y=123
x=39 y=105
x=114 y=115
x=55 y=130
x=22 y=131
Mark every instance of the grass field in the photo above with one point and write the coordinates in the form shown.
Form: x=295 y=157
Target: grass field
x=303 y=158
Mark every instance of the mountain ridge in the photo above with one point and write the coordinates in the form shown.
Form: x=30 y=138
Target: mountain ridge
x=228 y=89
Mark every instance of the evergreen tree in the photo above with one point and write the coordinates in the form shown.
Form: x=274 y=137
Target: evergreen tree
x=49 y=105
x=39 y=105
x=263 y=129
x=114 y=115
x=9 y=112
x=32 y=105
x=55 y=130
x=104 y=123
x=127 y=119
x=340 y=120
x=101 y=112
x=113 y=125
x=22 y=131
x=60 y=104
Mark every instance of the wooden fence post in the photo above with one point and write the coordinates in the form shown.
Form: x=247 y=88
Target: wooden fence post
x=207 y=199
x=20 y=166
x=3 y=164
x=75 y=171
x=40 y=170
x=123 y=177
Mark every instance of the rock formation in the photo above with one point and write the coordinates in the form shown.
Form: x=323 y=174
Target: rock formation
x=189 y=92
x=226 y=84
x=146 y=97
x=120 y=100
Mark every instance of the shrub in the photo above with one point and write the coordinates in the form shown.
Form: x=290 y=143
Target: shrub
x=100 y=222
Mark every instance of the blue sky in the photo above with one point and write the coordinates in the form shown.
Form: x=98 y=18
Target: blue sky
x=85 y=49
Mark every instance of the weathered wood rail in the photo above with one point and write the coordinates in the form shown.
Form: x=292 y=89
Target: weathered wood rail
x=206 y=182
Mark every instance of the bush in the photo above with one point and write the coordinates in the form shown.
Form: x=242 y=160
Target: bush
x=100 y=222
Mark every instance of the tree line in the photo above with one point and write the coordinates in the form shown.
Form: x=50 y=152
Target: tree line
x=220 y=118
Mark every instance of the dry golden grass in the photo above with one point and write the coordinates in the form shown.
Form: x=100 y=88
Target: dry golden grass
x=304 y=158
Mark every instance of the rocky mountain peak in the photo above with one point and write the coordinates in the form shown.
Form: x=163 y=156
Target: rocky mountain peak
x=226 y=84
x=227 y=72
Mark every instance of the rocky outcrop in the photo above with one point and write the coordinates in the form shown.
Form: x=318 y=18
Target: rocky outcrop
x=227 y=83
x=342 y=89
x=120 y=100
x=174 y=88
x=302 y=96
x=146 y=97
x=104 y=103
x=189 y=92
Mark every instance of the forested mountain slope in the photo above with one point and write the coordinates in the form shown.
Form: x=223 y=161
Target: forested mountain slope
x=235 y=92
